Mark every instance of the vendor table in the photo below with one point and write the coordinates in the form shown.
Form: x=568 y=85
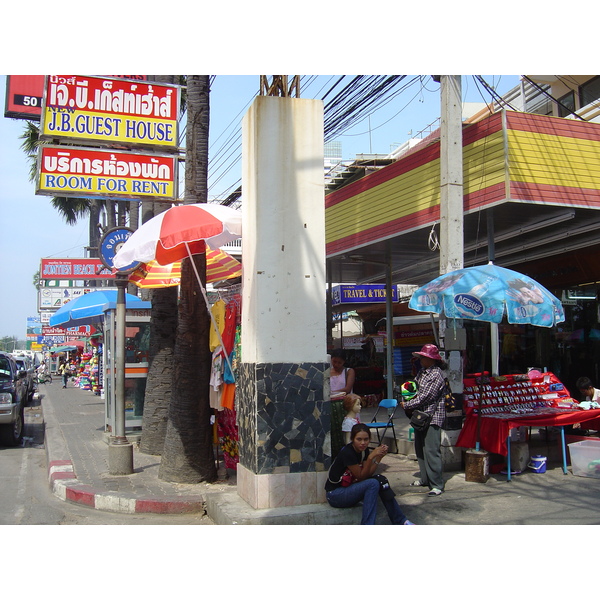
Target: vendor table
x=504 y=402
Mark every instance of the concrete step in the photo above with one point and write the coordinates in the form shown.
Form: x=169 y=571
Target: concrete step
x=227 y=508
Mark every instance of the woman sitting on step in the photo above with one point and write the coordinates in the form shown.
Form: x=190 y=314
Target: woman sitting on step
x=352 y=479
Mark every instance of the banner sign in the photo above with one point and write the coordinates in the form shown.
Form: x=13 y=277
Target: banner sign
x=45 y=316
x=74 y=268
x=49 y=298
x=110 y=111
x=54 y=298
x=73 y=332
x=24 y=94
x=72 y=171
x=361 y=294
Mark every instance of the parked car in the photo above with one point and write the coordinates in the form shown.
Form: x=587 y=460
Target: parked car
x=12 y=402
x=25 y=366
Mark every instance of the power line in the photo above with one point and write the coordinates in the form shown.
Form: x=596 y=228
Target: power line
x=545 y=92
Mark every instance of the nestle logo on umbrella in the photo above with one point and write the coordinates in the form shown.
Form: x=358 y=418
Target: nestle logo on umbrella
x=469 y=304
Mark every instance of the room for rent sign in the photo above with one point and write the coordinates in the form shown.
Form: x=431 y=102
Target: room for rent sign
x=83 y=172
x=110 y=111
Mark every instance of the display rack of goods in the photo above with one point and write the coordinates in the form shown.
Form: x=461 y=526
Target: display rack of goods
x=509 y=395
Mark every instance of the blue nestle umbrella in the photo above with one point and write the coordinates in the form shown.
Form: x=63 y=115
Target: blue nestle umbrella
x=89 y=308
x=487 y=293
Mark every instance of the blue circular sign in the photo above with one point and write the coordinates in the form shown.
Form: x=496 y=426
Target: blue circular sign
x=110 y=244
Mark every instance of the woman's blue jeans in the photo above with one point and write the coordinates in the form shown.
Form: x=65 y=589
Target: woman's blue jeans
x=367 y=491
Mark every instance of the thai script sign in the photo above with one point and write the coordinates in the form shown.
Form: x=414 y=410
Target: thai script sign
x=72 y=171
x=75 y=332
x=74 y=268
x=361 y=294
x=25 y=94
x=110 y=111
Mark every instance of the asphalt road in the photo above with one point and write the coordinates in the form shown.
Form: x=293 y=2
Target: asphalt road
x=26 y=499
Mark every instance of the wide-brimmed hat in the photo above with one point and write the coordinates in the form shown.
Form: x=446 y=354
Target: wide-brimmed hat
x=429 y=351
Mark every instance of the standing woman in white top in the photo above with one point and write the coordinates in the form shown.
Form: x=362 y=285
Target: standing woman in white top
x=341 y=379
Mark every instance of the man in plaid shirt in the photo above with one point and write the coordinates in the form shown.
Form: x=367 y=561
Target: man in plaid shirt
x=430 y=399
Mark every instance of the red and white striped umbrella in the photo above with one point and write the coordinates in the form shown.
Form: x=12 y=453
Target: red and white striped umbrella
x=179 y=232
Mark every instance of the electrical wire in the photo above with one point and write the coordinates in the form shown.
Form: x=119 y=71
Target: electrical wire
x=432 y=241
x=493 y=92
x=348 y=100
x=546 y=93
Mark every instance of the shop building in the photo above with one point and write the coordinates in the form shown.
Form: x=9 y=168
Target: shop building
x=531 y=193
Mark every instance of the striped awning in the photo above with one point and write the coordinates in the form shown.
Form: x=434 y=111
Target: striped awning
x=219 y=266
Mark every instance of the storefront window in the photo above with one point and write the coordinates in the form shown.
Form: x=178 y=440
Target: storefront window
x=135 y=390
x=567 y=104
x=570 y=349
x=137 y=342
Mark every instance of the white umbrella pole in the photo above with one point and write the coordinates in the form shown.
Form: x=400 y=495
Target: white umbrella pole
x=212 y=317
x=494 y=340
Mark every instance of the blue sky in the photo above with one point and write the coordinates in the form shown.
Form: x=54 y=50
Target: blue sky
x=32 y=229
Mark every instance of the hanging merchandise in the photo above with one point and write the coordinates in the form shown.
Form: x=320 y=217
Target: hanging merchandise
x=216 y=378
x=94 y=375
x=228 y=437
x=227 y=314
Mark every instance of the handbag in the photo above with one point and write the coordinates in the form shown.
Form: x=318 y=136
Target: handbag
x=347 y=478
x=385 y=491
x=420 y=420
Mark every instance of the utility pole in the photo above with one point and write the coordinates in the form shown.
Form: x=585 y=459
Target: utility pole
x=451 y=211
x=451 y=171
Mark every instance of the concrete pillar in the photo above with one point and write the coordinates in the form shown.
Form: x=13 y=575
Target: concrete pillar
x=451 y=203
x=283 y=418
x=451 y=172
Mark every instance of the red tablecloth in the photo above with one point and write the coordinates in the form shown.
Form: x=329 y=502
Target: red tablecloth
x=494 y=430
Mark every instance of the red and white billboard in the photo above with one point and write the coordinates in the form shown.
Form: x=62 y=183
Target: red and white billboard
x=74 y=268
x=24 y=95
x=110 y=111
x=74 y=332
x=83 y=172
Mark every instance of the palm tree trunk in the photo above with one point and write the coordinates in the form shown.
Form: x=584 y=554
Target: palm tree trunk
x=163 y=326
x=159 y=384
x=188 y=455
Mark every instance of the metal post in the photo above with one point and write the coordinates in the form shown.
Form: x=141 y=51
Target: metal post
x=120 y=451
x=389 y=329
x=494 y=337
x=119 y=438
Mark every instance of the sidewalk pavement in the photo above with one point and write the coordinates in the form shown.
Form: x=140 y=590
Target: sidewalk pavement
x=78 y=471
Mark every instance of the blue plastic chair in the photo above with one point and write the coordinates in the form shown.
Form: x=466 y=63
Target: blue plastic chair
x=390 y=406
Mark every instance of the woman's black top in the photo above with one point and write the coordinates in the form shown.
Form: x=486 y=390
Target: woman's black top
x=346 y=457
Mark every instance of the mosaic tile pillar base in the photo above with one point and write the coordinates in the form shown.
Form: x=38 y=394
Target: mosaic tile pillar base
x=284 y=434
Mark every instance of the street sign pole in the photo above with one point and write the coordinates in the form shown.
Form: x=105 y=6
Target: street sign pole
x=120 y=450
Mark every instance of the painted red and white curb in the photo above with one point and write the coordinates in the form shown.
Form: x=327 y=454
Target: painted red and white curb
x=65 y=485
